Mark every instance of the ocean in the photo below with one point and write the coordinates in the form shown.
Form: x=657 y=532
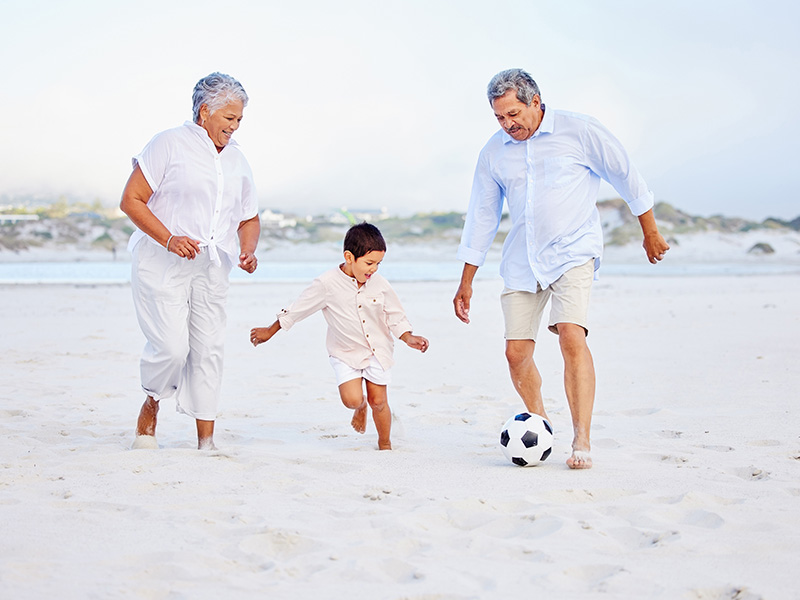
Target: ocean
x=118 y=272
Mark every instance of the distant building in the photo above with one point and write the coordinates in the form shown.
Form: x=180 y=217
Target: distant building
x=275 y=220
x=370 y=215
x=15 y=218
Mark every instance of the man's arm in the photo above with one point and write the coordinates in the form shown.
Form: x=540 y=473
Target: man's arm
x=654 y=243
x=464 y=293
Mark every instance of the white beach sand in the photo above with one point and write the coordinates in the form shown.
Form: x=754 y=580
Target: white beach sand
x=696 y=442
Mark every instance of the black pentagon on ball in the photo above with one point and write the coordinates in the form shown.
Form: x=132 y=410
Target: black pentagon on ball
x=547 y=426
x=504 y=438
x=530 y=439
x=522 y=417
x=545 y=454
x=519 y=461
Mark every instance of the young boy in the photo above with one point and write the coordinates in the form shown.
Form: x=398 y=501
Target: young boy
x=362 y=312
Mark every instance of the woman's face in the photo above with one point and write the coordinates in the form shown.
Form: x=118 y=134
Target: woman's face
x=221 y=124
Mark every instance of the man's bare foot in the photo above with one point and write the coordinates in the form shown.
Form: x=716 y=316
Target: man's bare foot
x=580 y=459
x=384 y=445
x=146 y=425
x=359 y=421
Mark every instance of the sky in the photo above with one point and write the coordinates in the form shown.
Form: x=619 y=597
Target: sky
x=372 y=104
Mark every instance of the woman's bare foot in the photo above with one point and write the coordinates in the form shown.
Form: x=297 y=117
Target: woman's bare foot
x=384 y=445
x=206 y=444
x=580 y=459
x=205 y=435
x=146 y=425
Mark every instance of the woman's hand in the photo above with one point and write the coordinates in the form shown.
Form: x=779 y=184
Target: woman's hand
x=183 y=246
x=248 y=261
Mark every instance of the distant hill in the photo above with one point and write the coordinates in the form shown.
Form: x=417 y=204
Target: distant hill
x=62 y=227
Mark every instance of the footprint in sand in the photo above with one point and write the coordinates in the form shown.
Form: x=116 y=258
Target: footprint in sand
x=703 y=518
x=752 y=473
x=640 y=412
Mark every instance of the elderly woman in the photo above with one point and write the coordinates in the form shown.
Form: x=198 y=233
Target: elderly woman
x=192 y=198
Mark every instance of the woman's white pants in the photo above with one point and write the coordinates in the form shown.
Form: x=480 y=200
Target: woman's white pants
x=180 y=305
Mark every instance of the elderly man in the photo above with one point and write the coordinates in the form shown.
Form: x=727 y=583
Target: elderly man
x=547 y=164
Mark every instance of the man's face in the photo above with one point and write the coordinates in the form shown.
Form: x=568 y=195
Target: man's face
x=518 y=120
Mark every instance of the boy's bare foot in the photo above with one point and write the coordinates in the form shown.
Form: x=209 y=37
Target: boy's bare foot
x=580 y=459
x=384 y=445
x=359 y=421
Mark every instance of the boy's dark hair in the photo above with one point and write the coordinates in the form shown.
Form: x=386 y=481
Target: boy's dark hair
x=362 y=239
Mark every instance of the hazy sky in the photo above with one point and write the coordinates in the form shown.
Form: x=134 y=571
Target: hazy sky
x=382 y=103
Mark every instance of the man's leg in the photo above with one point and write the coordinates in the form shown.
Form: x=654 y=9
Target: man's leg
x=524 y=374
x=579 y=384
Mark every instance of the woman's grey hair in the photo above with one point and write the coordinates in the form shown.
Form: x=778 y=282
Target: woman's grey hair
x=215 y=91
x=513 y=79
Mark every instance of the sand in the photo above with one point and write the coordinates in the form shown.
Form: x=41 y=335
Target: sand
x=694 y=494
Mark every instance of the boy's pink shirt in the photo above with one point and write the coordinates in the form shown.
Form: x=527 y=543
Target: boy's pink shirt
x=361 y=320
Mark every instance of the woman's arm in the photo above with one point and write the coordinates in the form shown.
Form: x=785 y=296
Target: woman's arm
x=249 y=232
x=135 y=196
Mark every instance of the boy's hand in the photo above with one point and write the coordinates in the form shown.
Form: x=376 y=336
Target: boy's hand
x=415 y=341
x=259 y=335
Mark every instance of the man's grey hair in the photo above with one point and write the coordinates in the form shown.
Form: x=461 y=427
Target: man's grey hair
x=513 y=79
x=215 y=91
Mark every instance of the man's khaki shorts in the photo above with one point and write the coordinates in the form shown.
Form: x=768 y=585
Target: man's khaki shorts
x=523 y=311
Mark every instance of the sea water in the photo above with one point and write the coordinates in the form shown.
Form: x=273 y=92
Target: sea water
x=118 y=272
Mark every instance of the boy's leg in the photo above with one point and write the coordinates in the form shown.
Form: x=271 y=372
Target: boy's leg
x=381 y=415
x=352 y=394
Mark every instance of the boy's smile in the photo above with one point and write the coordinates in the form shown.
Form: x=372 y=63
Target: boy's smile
x=363 y=267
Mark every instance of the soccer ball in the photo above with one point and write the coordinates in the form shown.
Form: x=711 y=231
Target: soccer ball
x=526 y=439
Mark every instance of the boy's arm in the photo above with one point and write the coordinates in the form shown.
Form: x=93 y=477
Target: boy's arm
x=259 y=335
x=415 y=341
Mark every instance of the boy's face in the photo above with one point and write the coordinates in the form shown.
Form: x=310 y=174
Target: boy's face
x=363 y=267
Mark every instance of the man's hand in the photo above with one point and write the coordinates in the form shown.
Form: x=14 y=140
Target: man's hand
x=462 y=300
x=464 y=293
x=654 y=243
x=655 y=246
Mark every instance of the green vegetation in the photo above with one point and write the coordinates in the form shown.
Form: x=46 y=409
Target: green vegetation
x=91 y=226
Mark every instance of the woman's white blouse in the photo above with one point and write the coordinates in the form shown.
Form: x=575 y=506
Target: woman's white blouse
x=197 y=191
